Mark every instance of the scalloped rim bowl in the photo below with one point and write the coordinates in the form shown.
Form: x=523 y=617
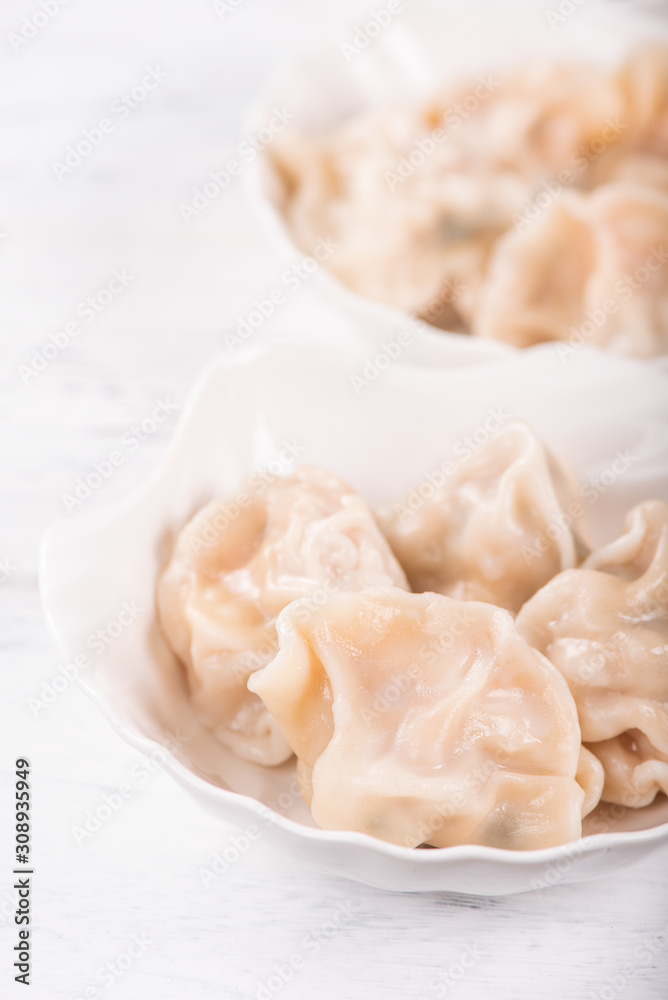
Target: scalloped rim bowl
x=98 y=568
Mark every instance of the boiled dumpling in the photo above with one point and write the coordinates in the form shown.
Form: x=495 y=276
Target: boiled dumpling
x=420 y=719
x=605 y=627
x=495 y=530
x=557 y=112
x=644 y=84
x=309 y=534
x=589 y=269
x=540 y=276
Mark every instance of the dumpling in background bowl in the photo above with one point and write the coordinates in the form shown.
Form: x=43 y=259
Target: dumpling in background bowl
x=417 y=168
x=593 y=268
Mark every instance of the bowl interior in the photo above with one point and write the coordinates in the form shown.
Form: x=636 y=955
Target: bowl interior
x=290 y=401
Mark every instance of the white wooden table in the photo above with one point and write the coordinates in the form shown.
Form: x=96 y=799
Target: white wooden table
x=124 y=912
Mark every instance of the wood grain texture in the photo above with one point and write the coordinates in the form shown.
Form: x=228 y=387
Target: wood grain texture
x=139 y=876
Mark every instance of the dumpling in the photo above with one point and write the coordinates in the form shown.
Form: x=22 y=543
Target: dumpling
x=589 y=269
x=420 y=719
x=497 y=528
x=437 y=223
x=644 y=84
x=539 y=277
x=234 y=568
x=415 y=197
x=634 y=221
x=605 y=627
x=562 y=109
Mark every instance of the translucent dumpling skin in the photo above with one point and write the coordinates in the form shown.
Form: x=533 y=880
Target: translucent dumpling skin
x=494 y=531
x=420 y=719
x=605 y=627
x=309 y=534
x=590 y=269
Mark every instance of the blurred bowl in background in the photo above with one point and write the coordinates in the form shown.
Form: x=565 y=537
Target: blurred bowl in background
x=424 y=46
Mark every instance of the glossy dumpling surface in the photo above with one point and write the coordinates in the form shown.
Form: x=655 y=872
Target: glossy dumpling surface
x=420 y=719
x=493 y=530
x=605 y=627
x=236 y=566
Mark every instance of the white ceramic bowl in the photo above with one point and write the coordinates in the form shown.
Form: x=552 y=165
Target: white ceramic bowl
x=427 y=45
x=382 y=439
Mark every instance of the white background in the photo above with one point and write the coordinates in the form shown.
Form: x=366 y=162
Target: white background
x=139 y=874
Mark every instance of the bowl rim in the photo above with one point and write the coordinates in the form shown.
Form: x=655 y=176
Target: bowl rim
x=110 y=513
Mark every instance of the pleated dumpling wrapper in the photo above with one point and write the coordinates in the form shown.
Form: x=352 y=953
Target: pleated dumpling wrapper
x=496 y=528
x=605 y=627
x=236 y=566
x=415 y=197
x=420 y=719
x=590 y=269
x=644 y=83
